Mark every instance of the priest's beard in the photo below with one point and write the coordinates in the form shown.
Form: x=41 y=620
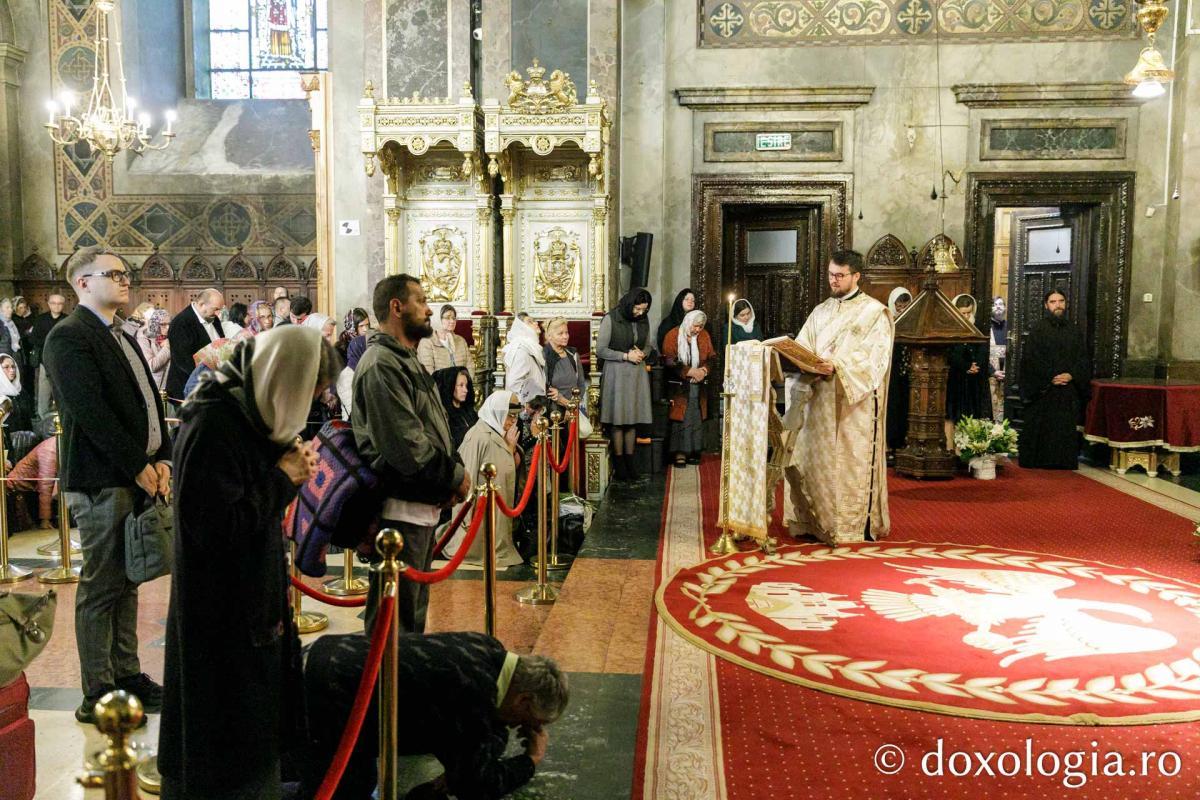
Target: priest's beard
x=840 y=293
x=1057 y=318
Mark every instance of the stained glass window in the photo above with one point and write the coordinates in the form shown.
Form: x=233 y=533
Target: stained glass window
x=258 y=48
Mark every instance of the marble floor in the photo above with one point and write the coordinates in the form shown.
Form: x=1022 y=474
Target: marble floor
x=596 y=631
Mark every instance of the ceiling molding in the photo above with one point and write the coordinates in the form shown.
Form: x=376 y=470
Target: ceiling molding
x=1029 y=95
x=773 y=98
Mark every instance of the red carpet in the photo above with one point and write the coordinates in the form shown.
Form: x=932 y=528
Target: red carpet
x=777 y=739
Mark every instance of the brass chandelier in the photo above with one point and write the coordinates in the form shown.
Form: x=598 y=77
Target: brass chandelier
x=1151 y=71
x=105 y=125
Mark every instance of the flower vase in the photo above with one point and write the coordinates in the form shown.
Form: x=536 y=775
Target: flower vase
x=983 y=467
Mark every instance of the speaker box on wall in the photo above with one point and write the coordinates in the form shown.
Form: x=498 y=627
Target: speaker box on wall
x=635 y=251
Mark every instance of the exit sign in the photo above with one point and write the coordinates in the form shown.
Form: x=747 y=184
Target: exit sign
x=773 y=141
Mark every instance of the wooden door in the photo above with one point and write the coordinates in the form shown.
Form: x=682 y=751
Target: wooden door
x=1050 y=250
x=771 y=257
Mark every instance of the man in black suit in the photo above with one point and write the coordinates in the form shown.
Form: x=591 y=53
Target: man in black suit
x=42 y=325
x=192 y=330
x=115 y=446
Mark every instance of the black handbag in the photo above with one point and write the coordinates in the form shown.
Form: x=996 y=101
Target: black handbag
x=149 y=540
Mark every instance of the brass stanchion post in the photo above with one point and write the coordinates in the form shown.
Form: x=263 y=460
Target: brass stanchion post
x=573 y=470
x=556 y=561
x=389 y=542
x=306 y=621
x=64 y=572
x=347 y=585
x=725 y=545
x=541 y=593
x=487 y=495
x=9 y=573
x=118 y=715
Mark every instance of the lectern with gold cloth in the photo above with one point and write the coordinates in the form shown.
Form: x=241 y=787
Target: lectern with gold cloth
x=754 y=448
x=550 y=151
x=437 y=203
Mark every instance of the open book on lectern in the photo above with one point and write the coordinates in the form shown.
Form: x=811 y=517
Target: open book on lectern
x=796 y=353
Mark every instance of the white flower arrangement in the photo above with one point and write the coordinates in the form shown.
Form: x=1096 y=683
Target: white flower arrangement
x=980 y=437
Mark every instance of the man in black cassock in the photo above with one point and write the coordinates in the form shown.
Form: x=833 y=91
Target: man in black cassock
x=1055 y=381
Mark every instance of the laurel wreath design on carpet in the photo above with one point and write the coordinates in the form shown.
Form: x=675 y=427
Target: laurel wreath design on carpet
x=1178 y=680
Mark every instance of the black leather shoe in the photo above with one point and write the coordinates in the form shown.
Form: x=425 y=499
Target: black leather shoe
x=86 y=713
x=145 y=689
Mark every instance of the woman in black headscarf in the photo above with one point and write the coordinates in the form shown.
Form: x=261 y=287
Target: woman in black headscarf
x=233 y=655
x=458 y=398
x=685 y=301
x=623 y=345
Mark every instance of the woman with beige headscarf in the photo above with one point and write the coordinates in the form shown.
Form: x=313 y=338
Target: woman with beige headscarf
x=232 y=651
x=493 y=439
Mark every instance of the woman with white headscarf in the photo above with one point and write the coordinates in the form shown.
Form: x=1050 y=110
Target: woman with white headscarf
x=493 y=439
x=232 y=654
x=897 y=399
x=745 y=324
x=20 y=419
x=689 y=358
x=524 y=359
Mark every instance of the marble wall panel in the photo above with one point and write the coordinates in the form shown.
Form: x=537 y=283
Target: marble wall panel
x=553 y=31
x=416 y=35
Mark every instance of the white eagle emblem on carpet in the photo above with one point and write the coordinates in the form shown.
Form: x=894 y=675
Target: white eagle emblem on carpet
x=1056 y=627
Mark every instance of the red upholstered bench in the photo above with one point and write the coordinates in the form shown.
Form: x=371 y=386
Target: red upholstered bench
x=18 y=765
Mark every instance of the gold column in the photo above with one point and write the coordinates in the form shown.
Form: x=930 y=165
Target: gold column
x=389 y=543
x=555 y=561
x=9 y=573
x=541 y=593
x=600 y=268
x=306 y=621
x=64 y=572
x=487 y=496
x=391 y=236
x=483 y=278
x=506 y=215
x=347 y=585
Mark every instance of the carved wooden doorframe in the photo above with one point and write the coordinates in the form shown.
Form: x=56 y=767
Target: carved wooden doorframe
x=1112 y=193
x=712 y=193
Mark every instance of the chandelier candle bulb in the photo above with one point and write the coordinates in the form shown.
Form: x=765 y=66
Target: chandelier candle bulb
x=52 y=107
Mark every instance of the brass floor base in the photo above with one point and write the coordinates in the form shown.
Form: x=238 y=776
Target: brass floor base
x=53 y=548
x=311 y=621
x=338 y=587
x=60 y=575
x=148 y=779
x=724 y=546
x=11 y=573
x=560 y=561
x=537 y=595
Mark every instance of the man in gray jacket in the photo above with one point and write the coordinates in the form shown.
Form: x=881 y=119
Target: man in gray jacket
x=401 y=428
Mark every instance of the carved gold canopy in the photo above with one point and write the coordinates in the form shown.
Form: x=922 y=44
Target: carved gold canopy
x=543 y=114
x=417 y=124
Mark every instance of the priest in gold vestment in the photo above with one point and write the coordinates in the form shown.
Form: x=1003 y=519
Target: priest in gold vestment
x=837 y=478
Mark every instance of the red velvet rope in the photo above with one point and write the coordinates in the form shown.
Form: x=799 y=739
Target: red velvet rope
x=454 y=526
x=317 y=594
x=520 y=509
x=572 y=440
x=441 y=574
x=362 y=700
